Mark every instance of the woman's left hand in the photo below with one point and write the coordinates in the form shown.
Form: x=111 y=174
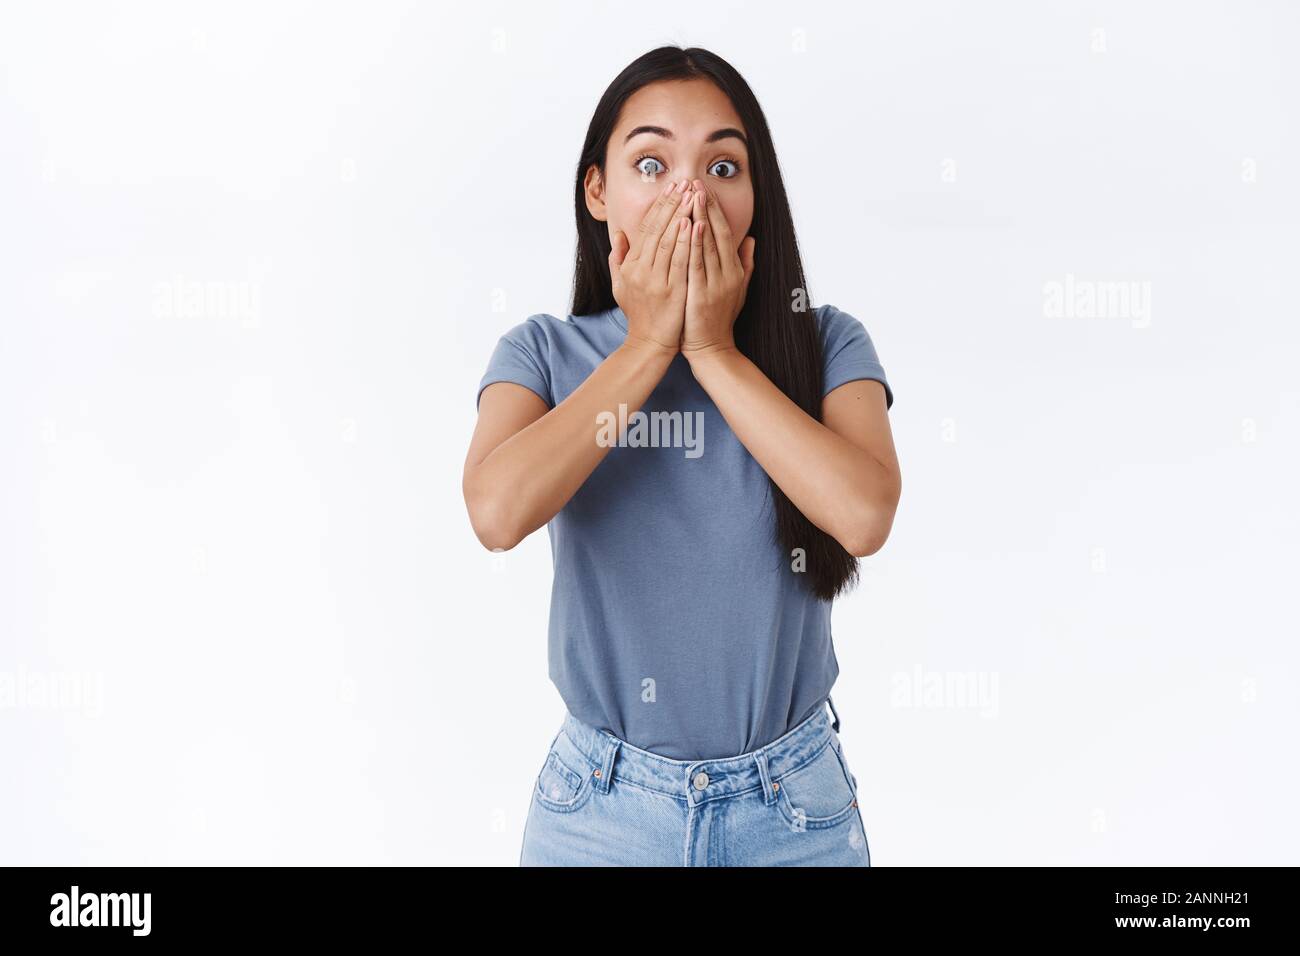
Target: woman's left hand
x=717 y=278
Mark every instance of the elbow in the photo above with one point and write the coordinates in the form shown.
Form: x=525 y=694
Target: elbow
x=495 y=538
x=862 y=534
x=867 y=531
x=864 y=541
x=492 y=519
x=493 y=527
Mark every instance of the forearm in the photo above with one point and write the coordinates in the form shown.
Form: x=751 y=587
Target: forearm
x=840 y=487
x=530 y=476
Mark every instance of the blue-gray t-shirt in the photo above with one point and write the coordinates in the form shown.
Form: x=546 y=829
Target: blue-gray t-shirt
x=677 y=622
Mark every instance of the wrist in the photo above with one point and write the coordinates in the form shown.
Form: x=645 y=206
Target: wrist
x=641 y=347
x=713 y=354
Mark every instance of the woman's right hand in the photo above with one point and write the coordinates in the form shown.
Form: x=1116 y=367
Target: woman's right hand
x=648 y=274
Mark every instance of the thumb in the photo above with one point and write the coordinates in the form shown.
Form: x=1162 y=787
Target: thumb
x=618 y=249
x=747 y=257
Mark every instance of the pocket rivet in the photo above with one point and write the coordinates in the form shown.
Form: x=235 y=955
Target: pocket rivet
x=775 y=786
x=855 y=803
x=596 y=772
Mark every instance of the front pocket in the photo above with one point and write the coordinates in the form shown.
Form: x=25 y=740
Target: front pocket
x=557 y=782
x=560 y=785
x=818 y=793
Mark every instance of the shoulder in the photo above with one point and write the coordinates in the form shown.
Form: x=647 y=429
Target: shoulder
x=543 y=334
x=523 y=355
x=542 y=352
x=534 y=333
x=848 y=351
x=835 y=326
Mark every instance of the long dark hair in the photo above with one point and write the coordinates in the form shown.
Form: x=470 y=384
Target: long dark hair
x=774 y=330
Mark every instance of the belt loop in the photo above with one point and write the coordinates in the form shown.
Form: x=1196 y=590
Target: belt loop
x=836 y=725
x=769 y=796
x=606 y=771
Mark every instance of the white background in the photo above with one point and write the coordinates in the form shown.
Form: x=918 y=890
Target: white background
x=232 y=524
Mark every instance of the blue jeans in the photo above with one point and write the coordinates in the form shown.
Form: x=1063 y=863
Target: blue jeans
x=599 y=801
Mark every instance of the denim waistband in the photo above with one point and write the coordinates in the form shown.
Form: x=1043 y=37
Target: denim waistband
x=698 y=781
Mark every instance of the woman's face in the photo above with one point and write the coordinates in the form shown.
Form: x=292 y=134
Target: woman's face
x=672 y=130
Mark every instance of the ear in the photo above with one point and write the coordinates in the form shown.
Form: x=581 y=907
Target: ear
x=594 y=190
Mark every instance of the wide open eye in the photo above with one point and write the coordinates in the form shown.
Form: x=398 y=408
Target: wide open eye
x=725 y=168
x=649 y=167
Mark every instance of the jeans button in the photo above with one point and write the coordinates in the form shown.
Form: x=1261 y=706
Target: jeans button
x=701 y=780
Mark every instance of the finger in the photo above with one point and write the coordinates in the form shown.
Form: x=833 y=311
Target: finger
x=698 y=273
x=656 y=219
x=681 y=254
x=663 y=251
x=712 y=259
x=646 y=225
x=721 y=231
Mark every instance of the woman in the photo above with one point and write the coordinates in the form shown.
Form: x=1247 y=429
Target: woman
x=711 y=457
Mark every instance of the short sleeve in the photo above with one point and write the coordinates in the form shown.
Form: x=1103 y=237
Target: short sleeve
x=848 y=354
x=521 y=356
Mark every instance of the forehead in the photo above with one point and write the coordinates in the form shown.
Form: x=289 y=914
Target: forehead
x=692 y=109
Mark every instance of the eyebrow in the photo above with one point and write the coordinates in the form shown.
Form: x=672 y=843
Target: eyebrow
x=727 y=132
